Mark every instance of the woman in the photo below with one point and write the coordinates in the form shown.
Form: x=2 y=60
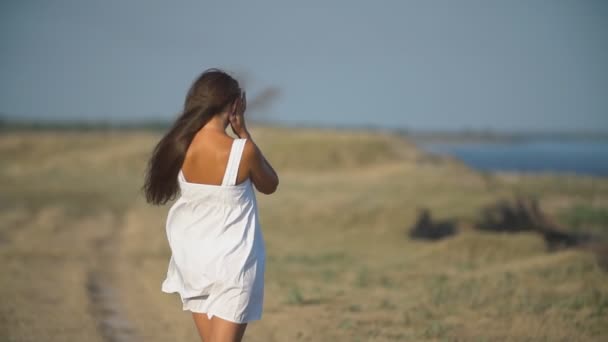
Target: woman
x=218 y=251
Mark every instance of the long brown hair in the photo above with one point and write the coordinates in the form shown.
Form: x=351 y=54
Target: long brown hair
x=210 y=94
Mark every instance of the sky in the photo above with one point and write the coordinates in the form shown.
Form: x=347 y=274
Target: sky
x=512 y=65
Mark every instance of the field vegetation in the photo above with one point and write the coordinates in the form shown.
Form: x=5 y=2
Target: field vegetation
x=83 y=256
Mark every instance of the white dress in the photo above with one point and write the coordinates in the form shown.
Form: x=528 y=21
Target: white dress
x=218 y=251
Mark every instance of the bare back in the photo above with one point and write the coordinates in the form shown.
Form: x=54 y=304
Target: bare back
x=207 y=158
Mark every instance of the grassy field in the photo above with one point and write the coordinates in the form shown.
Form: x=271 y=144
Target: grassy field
x=83 y=256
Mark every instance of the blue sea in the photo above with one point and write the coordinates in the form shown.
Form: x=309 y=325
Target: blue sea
x=571 y=156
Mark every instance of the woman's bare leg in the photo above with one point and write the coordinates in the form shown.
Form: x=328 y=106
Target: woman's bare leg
x=203 y=325
x=226 y=331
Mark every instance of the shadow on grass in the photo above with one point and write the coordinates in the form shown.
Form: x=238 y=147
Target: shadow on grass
x=523 y=214
x=427 y=229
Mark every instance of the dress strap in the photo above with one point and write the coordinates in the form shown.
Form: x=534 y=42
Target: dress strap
x=234 y=159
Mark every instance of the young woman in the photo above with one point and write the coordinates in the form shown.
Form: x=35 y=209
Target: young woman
x=213 y=229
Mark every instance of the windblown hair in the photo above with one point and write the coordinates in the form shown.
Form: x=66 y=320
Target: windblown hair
x=210 y=94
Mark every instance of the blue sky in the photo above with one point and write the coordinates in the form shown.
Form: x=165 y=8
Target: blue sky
x=502 y=65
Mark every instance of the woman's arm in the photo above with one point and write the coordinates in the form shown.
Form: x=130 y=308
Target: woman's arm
x=262 y=174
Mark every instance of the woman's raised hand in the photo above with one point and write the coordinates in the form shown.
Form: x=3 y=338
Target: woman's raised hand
x=237 y=119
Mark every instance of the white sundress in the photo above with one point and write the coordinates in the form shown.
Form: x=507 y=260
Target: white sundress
x=218 y=252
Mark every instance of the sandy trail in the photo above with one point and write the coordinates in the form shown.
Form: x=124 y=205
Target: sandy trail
x=105 y=297
x=86 y=284
x=53 y=283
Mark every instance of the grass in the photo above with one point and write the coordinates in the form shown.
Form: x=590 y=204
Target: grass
x=586 y=217
x=339 y=267
x=295 y=296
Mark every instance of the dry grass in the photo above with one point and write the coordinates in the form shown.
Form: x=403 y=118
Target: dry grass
x=83 y=255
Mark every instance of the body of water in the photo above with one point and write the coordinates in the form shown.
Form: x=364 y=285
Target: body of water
x=580 y=157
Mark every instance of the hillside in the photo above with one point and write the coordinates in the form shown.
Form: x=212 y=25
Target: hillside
x=83 y=255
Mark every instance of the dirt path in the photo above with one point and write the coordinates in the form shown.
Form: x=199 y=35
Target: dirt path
x=138 y=267
x=57 y=282
x=104 y=296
